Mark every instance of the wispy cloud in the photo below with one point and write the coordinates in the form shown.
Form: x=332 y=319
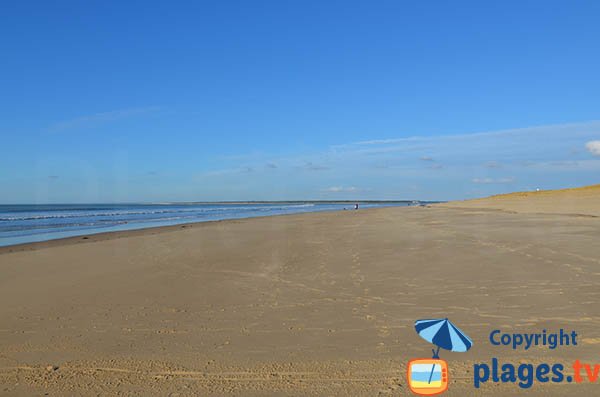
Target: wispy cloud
x=567 y=128
x=315 y=167
x=384 y=141
x=492 y=164
x=103 y=117
x=487 y=181
x=443 y=166
x=227 y=171
x=343 y=189
x=593 y=147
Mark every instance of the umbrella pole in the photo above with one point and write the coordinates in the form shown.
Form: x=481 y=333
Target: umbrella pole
x=435 y=355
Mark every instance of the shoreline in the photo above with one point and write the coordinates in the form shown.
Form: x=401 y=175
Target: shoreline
x=21 y=223
x=117 y=234
x=510 y=203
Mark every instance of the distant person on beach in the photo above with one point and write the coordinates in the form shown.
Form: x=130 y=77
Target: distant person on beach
x=356 y=206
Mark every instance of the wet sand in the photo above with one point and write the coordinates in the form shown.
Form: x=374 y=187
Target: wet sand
x=311 y=304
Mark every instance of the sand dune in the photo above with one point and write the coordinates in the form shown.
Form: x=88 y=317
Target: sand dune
x=576 y=201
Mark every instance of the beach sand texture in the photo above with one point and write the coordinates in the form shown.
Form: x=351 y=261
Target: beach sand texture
x=574 y=201
x=311 y=304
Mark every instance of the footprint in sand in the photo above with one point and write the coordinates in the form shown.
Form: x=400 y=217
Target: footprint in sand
x=383 y=331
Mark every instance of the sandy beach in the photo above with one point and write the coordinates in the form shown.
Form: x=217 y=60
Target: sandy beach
x=581 y=201
x=311 y=304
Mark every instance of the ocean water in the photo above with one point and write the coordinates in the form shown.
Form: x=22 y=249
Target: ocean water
x=30 y=223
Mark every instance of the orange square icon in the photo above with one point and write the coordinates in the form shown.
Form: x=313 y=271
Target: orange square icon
x=427 y=376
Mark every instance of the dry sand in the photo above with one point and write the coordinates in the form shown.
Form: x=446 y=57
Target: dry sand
x=576 y=201
x=311 y=304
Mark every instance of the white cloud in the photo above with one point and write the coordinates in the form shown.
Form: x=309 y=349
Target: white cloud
x=340 y=189
x=481 y=162
x=468 y=151
x=593 y=147
x=487 y=181
x=555 y=129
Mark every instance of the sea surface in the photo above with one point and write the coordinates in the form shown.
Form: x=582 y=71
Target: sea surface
x=30 y=223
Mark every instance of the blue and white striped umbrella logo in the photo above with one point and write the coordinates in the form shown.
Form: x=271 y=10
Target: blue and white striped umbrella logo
x=444 y=334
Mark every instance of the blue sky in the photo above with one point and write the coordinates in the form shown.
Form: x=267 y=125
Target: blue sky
x=237 y=100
